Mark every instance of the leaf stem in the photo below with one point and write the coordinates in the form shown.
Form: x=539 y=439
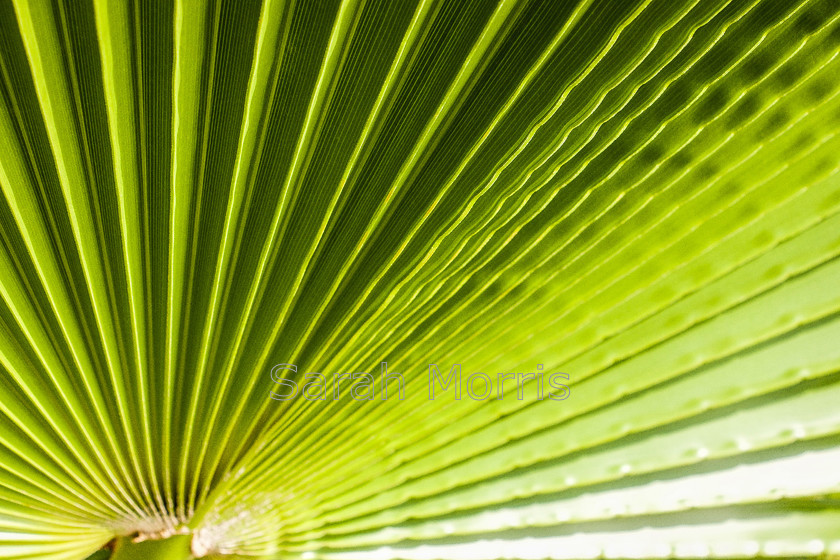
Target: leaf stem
x=172 y=548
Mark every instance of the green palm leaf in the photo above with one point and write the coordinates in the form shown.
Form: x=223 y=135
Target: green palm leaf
x=641 y=195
